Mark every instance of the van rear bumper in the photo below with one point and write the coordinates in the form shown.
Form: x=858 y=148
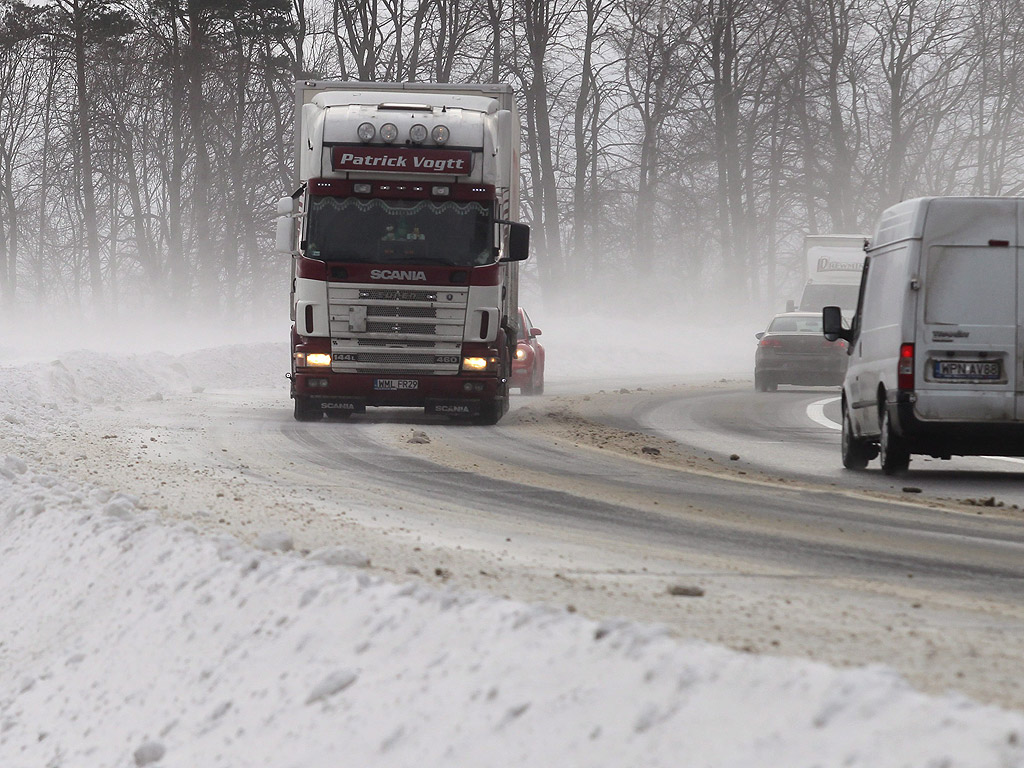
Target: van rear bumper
x=956 y=438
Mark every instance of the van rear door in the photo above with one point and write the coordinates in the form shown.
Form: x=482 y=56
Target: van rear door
x=969 y=329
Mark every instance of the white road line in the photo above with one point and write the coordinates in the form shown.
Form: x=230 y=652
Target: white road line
x=816 y=413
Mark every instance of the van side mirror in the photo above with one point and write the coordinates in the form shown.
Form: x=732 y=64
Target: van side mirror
x=286 y=209
x=832 y=324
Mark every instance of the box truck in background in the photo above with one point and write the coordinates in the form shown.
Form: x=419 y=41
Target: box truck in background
x=834 y=264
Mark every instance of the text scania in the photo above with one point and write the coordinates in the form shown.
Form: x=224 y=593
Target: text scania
x=397 y=274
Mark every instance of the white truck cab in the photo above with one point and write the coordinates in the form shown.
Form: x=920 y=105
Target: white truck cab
x=935 y=345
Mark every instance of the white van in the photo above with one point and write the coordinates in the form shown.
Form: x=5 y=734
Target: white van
x=935 y=346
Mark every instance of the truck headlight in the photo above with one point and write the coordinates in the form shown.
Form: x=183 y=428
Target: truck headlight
x=318 y=359
x=479 y=363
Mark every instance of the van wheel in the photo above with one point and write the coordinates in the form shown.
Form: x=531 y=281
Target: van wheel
x=892 y=451
x=856 y=452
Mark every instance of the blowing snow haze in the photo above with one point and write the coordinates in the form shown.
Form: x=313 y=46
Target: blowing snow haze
x=191 y=575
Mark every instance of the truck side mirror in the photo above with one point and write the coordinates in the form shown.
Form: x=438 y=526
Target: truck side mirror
x=518 y=241
x=286 y=225
x=832 y=324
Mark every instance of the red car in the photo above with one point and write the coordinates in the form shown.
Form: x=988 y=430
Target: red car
x=528 y=366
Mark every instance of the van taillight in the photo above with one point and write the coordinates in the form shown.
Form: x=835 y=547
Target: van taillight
x=905 y=367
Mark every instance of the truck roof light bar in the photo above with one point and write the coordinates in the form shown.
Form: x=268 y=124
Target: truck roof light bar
x=362 y=189
x=418 y=133
x=366 y=132
x=389 y=132
x=440 y=134
x=440 y=191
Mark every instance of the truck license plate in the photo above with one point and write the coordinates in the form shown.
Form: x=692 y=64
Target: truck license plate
x=968 y=369
x=393 y=384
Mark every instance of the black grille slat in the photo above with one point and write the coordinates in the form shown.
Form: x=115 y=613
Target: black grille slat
x=425 y=330
x=382 y=294
x=406 y=343
x=392 y=358
x=430 y=312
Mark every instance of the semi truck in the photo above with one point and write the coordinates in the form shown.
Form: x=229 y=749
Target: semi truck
x=834 y=266
x=405 y=243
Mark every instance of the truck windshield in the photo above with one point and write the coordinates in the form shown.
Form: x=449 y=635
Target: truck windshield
x=449 y=233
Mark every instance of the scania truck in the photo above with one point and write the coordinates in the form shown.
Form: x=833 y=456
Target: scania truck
x=405 y=242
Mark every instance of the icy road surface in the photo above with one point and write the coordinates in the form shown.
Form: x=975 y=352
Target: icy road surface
x=189 y=577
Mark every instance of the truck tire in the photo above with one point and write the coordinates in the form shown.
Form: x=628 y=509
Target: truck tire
x=856 y=451
x=893 y=453
x=306 y=411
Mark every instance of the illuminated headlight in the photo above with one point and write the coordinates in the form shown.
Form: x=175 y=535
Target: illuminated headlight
x=440 y=134
x=520 y=353
x=389 y=132
x=479 y=363
x=366 y=132
x=318 y=359
x=418 y=134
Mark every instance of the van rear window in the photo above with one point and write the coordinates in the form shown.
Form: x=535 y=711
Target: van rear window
x=971 y=286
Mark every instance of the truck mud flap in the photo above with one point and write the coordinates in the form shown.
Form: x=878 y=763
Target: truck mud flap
x=453 y=407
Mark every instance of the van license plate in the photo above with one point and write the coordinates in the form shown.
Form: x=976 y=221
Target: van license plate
x=968 y=369
x=393 y=384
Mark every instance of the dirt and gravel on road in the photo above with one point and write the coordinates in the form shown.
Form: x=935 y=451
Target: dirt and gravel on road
x=234 y=462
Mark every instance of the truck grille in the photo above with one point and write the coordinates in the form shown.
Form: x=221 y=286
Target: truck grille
x=389 y=331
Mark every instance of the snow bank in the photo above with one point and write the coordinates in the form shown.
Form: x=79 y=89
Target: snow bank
x=127 y=642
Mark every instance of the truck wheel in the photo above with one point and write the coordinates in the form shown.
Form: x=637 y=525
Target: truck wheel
x=856 y=452
x=306 y=411
x=892 y=450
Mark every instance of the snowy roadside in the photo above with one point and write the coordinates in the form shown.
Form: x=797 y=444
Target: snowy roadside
x=127 y=641
x=126 y=638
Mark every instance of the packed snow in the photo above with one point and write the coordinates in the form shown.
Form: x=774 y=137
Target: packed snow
x=129 y=640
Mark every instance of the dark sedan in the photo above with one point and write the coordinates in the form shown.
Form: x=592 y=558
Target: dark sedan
x=792 y=351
